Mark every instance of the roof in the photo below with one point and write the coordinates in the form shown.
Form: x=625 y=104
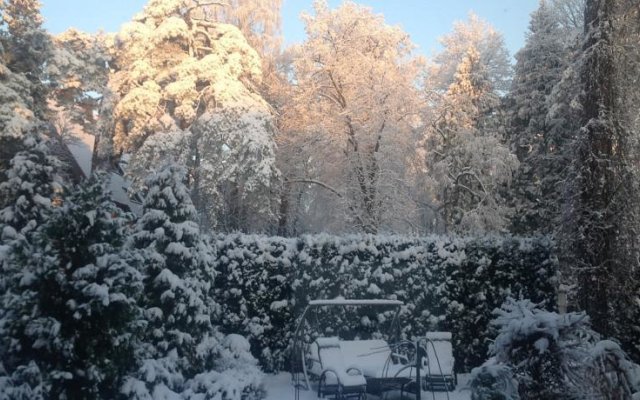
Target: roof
x=363 y=302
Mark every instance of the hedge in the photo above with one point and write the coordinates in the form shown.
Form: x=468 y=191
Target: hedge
x=446 y=283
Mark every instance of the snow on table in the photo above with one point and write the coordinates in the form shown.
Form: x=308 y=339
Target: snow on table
x=279 y=387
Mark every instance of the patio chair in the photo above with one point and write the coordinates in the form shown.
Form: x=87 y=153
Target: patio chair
x=438 y=367
x=336 y=379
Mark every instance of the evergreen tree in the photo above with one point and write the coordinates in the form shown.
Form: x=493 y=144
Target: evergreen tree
x=178 y=271
x=24 y=49
x=16 y=114
x=539 y=68
x=600 y=238
x=27 y=46
x=70 y=310
x=30 y=187
x=467 y=161
x=184 y=88
x=26 y=196
x=182 y=353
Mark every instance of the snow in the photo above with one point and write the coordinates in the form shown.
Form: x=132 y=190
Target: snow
x=440 y=354
x=279 y=387
x=345 y=302
x=438 y=335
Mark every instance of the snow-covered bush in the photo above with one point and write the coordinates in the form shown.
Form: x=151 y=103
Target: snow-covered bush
x=542 y=347
x=552 y=356
x=235 y=375
x=70 y=305
x=493 y=382
x=611 y=372
x=453 y=284
x=28 y=188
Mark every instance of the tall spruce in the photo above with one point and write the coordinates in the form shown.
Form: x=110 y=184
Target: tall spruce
x=539 y=68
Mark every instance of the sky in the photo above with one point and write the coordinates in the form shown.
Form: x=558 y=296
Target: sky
x=424 y=20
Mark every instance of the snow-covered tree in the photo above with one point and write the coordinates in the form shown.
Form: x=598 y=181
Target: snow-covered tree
x=26 y=45
x=77 y=75
x=185 y=87
x=16 y=113
x=488 y=42
x=539 y=68
x=352 y=112
x=258 y=20
x=600 y=229
x=181 y=349
x=467 y=165
x=24 y=49
x=70 y=310
x=27 y=196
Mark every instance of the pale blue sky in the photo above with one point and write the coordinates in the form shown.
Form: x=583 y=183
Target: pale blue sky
x=424 y=20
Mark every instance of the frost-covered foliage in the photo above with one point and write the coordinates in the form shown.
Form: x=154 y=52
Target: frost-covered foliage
x=27 y=45
x=16 y=104
x=24 y=49
x=351 y=114
x=77 y=75
x=27 y=196
x=182 y=353
x=29 y=188
x=493 y=382
x=259 y=21
x=600 y=225
x=468 y=166
x=543 y=347
x=447 y=284
x=485 y=39
x=16 y=113
x=70 y=305
x=532 y=108
x=552 y=356
x=185 y=90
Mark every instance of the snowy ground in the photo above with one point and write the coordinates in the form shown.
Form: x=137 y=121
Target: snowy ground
x=279 y=388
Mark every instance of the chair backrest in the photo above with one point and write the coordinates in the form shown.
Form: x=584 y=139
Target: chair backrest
x=330 y=353
x=439 y=351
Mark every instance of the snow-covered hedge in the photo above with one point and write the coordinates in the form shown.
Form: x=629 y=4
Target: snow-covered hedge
x=453 y=284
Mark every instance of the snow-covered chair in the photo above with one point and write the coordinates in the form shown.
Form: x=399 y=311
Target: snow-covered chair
x=383 y=368
x=336 y=378
x=438 y=362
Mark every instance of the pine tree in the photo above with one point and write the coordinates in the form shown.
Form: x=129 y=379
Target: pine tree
x=185 y=90
x=71 y=309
